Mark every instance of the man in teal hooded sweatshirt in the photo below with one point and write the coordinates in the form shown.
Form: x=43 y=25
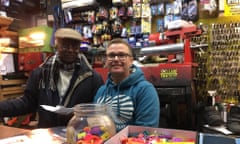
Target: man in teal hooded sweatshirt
x=133 y=99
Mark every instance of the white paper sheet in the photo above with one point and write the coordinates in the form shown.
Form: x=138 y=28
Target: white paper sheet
x=58 y=109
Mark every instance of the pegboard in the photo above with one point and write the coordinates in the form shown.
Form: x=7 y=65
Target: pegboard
x=219 y=64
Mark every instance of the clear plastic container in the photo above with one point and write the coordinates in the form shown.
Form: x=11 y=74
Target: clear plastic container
x=91 y=123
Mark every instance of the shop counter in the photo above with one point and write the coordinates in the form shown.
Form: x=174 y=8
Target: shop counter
x=11 y=135
x=186 y=136
x=11 y=131
x=56 y=135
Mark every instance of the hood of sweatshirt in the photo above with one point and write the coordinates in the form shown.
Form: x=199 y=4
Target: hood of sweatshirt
x=121 y=96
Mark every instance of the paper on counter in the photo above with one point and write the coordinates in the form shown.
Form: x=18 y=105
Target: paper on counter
x=58 y=109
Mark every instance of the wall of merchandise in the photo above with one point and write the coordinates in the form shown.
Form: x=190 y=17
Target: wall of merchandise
x=133 y=20
x=218 y=64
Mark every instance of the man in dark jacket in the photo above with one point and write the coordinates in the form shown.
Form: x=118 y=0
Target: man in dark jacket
x=65 y=78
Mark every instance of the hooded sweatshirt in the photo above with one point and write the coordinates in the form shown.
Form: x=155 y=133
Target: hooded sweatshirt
x=134 y=100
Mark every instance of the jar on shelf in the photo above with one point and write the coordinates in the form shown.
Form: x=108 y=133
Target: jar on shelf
x=91 y=123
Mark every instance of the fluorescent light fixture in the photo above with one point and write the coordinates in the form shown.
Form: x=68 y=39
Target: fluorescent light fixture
x=37 y=36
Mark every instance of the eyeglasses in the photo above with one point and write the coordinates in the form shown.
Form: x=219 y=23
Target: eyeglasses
x=66 y=44
x=120 y=56
x=71 y=46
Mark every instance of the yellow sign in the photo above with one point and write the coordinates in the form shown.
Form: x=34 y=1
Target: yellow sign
x=168 y=73
x=231 y=7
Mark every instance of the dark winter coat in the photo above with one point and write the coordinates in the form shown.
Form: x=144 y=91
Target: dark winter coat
x=83 y=87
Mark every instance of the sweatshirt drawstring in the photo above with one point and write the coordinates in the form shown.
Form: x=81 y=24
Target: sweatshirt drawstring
x=118 y=101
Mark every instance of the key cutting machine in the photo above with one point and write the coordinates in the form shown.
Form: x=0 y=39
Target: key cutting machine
x=174 y=81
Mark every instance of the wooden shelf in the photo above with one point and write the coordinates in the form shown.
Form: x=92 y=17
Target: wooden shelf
x=12 y=82
x=13 y=92
x=5 y=22
x=8 y=50
x=11 y=88
x=7 y=33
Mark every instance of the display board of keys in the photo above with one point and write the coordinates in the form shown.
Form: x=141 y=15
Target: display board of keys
x=219 y=63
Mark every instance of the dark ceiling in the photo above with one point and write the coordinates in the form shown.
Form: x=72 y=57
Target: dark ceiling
x=22 y=10
x=27 y=11
x=20 y=6
x=32 y=6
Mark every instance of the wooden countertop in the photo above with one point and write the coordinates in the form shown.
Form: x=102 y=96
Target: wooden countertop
x=11 y=131
x=54 y=135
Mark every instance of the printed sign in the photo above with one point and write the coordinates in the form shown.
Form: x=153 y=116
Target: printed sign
x=231 y=7
x=168 y=74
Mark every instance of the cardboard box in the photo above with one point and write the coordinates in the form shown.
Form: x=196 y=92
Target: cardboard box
x=188 y=135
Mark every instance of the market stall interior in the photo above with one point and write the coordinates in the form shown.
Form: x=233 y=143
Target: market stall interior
x=194 y=66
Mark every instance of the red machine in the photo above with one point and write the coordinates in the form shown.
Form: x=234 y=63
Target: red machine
x=173 y=81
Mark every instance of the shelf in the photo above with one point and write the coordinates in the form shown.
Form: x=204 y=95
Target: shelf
x=15 y=87
x=7 y=33
x=29 y=50
x=12 y=82
x=8 y=50
x=11 y=88
x=4 y=24
x=76 y=5
x=5 y=21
